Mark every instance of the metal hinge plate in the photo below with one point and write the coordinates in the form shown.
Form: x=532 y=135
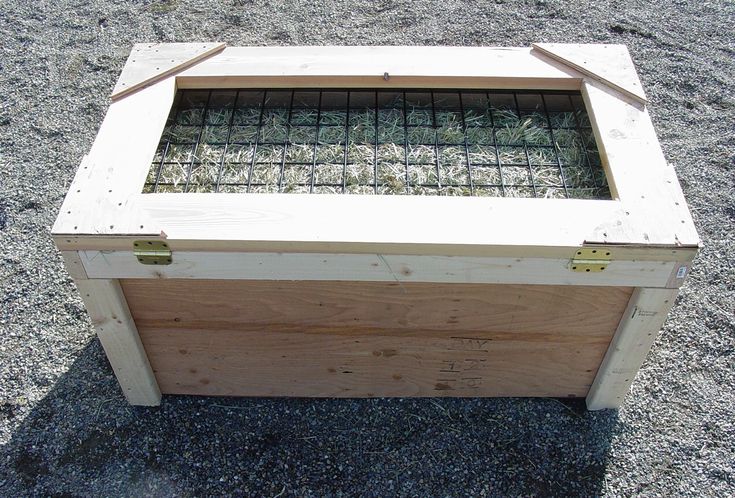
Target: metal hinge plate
x=152 y=252
x=590 y=260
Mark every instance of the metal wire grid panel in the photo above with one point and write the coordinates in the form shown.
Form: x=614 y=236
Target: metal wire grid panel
x=441 y=142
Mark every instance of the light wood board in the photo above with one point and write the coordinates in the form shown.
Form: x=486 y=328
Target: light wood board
x=116 y=330
x=376 y=268
x=379 y=67
x=638 y=329
x=150 y=62
x=260 y=338
x=610 y=64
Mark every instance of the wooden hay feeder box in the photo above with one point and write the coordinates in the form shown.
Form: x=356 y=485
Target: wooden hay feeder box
x=377 y=221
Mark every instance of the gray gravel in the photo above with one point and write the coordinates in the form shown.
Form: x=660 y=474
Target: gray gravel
x=64 y=427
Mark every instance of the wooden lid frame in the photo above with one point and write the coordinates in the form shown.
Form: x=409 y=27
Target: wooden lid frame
x=105 y=209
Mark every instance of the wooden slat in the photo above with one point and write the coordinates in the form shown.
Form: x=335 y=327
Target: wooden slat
x=609 y=64
x=150 y=62
x=376 y=268
x=239 y=304
x=116 y=330
x=378 y=67
x=378 y=82
x=123 y=243
x=373 y=339
x=248 y=363
x=348 y=221
x=638 y=329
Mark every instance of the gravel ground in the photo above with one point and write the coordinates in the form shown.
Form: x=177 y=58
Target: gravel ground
x=64 y=427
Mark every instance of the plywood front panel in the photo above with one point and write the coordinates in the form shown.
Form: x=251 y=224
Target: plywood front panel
x=276 y=338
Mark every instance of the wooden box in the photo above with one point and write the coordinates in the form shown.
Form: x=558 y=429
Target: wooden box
x=285 y=294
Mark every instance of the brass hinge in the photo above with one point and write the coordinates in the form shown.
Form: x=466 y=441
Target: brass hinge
x=589 y=260
x=152 y=252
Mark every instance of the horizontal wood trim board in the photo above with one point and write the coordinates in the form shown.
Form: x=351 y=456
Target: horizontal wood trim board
x=378 y=219
x=74 y=265
x=373 y=267
x=622 y=252
x=353 y=339
x=229 y=363
x=238 y=304
x=398 y=62
x=377 y=81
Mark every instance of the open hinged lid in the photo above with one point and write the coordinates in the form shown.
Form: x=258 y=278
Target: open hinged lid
x=646 y=217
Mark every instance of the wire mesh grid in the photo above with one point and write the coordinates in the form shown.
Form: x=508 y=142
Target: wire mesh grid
x=421 y=142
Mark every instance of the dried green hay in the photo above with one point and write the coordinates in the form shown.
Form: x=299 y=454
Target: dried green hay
x=299 y=153
x=220 y=117
x=328 y=153
x=562 y=119
x=391 y=178
x=243 y=134
x=392 y=152
x=332 y=118
x=423 y=175
x=418 y=116
x=214 y=134
x=332 y=135
x=476 y=118
x=359 y=174
x=512 y=129
x=183 y=133
x=246 y=116
x=272 y=154
x=486 y=175
x=482 y=154
x=360 y=154
x=419 y=135
x=329 y=174
x=190 y=116
x=265 y=174
x=421 y=154
x=359 y=189
x=480 y=136
x=234 y=173
x=401 y=149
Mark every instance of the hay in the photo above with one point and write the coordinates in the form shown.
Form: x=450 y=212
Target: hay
x=334 y=151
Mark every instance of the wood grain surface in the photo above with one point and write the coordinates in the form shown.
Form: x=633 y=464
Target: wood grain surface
x=354 y=339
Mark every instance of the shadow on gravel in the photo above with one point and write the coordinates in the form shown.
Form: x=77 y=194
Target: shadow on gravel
x=83 y=439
